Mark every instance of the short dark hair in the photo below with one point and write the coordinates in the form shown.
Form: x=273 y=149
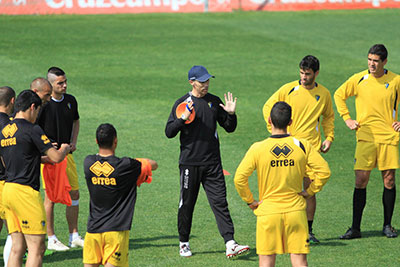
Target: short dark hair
x=281 y=113
x=6 y=94
x=309 y=62
x=105 y=135
x=56 y=71
x=25 y=99
x=380 y=50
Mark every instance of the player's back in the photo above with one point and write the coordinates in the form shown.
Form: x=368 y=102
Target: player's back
x=281 y=165
x=112 y=187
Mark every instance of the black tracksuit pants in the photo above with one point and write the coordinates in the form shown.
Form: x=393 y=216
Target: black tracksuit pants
x=213 y=180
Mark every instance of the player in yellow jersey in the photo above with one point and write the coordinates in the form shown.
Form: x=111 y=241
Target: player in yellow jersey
x=377 y=93
x=282 y=162
x=310 y=101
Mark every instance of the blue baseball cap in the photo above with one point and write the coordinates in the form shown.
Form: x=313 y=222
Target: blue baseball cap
x=199 y=73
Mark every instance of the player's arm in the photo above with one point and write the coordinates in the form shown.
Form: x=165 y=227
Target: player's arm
x=46 y=148
x=328 y=120
x=58 y=155
x=174 y=124
x=320 y=171
x=345 y=91
x=268 y=106
x=74 y=135
x=241 y=180
x=396 y=124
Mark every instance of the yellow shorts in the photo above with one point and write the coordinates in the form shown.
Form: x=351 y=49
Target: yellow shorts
x=71 y=173
x=111 y=247
x=281 y=233
x=24 y=209
x=2 y=212
x=368 y=155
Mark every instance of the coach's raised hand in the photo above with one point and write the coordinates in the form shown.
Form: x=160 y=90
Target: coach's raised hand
x=230 y=104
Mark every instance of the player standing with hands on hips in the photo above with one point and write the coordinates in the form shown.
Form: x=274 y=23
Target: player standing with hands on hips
x=200 y=159
x=377 y=94
x=281 y=162
x=310 y=101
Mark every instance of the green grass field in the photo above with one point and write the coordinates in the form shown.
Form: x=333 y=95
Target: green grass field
x=128 y=70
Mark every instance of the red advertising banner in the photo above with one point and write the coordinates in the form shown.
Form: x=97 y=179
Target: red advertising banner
x=20 y=7
x=293 y=5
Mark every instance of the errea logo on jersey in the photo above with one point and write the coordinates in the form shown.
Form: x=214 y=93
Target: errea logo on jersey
x=278 y=151
x=104 y=169
x=8 y=132
x=45 y=139
x=284 y=150
x=101 y=168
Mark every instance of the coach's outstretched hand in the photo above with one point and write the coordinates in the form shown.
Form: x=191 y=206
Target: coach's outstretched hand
x=230 y=104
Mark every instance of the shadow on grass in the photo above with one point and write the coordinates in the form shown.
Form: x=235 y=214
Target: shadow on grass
x=63 y=255
x=146 y=242
x=336 y=241
x=330 y=242
x=250 y=256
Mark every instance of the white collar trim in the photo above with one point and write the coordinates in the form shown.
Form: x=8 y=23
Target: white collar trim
x=56 y=100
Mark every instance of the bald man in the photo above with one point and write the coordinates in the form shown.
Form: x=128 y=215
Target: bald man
x=42 y=88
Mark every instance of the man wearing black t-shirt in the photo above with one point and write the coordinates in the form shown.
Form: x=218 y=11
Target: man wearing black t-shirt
x=200 y=160
x=60 y=121
x=112 y=183
x=22 y=144
x=7 y=99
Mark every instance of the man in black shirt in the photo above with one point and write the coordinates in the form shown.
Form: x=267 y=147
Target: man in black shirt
x=60 y=121
x=112 y=183
x=200 y=160
x=22 y=144
x=7 y=99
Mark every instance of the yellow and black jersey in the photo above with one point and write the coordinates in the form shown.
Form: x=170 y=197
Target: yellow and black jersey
x=112 y=187
x=22 y=144
x=377 y=101
x=307 y=108
x=280 y=161
x=4 y=119
x=57 y=117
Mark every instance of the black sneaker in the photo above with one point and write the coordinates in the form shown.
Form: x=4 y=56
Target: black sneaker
x=312 y=238
x=351 y=234
x=389 y=231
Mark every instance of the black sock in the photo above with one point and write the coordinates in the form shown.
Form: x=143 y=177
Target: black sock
x=359 y=201
x=310 y=226
x=388 y=200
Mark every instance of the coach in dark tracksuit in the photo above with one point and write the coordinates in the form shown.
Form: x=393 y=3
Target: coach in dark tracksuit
x=200 y=160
